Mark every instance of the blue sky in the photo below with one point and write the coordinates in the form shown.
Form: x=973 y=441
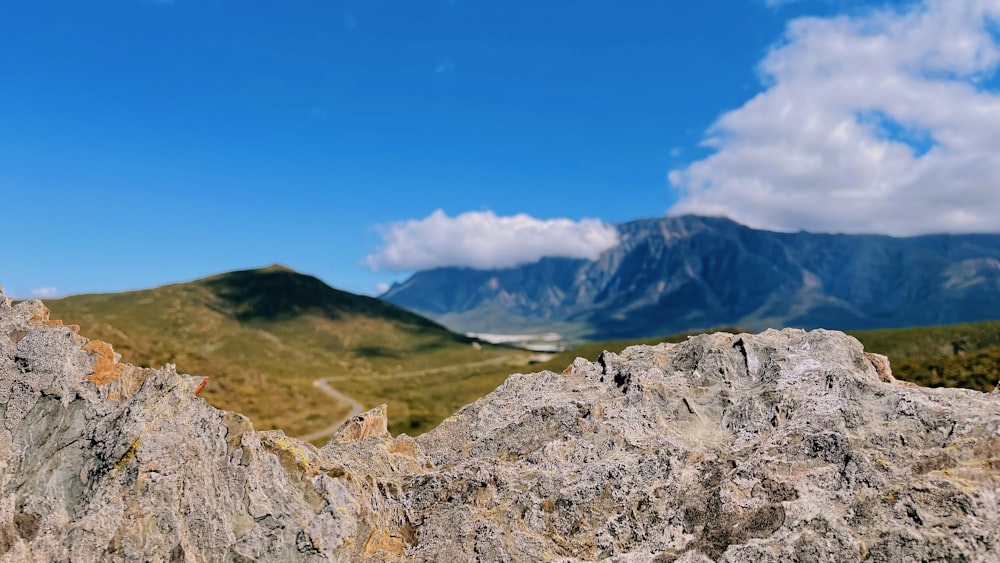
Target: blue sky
x=144 y=142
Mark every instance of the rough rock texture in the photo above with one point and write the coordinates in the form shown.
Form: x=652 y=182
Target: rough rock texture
x=781 y=446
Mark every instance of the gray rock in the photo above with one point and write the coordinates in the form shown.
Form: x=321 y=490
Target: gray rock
x=781 y=446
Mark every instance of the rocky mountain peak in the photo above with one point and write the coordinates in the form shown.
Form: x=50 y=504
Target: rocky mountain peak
x=678 y=274
x=784 y=445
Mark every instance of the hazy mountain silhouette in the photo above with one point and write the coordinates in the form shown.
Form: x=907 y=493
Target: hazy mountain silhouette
x=674 y=274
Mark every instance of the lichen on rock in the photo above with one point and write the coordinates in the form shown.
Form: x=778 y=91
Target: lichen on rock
x=786 y=445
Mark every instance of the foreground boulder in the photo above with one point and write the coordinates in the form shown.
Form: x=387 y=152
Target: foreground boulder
x=787 y=445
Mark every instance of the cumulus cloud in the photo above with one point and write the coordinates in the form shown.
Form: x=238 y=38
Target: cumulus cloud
x=44 y=292
x=887 y=121
x=382 y=287
x=482 y=240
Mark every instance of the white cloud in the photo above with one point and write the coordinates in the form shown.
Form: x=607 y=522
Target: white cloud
x=880 y=122
x=381 y=288
x=44 y=292
x=481 y=240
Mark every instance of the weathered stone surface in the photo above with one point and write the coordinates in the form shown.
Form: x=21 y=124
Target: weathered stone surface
x=781 y=446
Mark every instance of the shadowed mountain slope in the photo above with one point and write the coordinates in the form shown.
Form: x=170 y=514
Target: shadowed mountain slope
x=277 y=293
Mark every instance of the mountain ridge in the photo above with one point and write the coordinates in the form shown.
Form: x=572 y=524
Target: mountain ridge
x=674 y=274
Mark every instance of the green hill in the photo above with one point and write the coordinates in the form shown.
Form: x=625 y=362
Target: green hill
x=265 y=336
x=961 y=355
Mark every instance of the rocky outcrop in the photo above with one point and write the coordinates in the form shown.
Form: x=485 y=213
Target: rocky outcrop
x=781 y=446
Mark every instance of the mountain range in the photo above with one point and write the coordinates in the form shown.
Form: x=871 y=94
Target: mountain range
x=673 y=274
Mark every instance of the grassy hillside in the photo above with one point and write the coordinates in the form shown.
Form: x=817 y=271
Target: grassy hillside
x=264 y=336
x=962 y=355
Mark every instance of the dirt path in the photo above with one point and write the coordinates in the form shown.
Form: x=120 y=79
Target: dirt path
x=356 y=409
x=499 y=360
x=324 y=385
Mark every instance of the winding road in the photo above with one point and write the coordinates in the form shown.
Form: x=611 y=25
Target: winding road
x=323 y=384
x=356 y=409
